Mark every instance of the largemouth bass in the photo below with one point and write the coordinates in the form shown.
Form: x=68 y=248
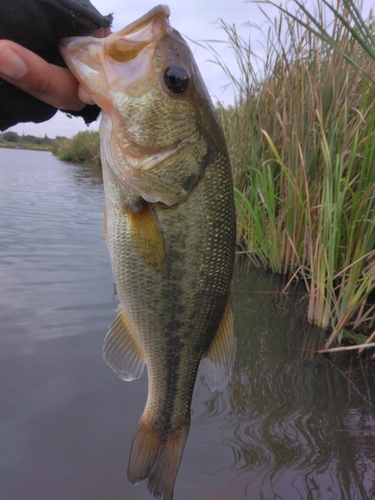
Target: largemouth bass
x=170 y=228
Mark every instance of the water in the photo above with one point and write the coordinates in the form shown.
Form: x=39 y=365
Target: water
x=292 y=425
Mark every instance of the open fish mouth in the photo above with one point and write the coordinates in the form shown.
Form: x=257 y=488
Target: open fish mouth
x=141 y=27
x=125 y=56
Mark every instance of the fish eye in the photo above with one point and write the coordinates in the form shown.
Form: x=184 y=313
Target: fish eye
x=176 y=78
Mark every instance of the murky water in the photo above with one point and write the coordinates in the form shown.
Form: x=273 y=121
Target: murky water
x=291 y=425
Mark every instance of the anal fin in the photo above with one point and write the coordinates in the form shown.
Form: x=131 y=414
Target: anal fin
x=121 y=350
x=219 y=358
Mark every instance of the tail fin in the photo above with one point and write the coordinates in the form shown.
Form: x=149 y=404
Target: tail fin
x=156 y=458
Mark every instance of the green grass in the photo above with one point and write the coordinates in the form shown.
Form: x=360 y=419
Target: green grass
x=302 y=144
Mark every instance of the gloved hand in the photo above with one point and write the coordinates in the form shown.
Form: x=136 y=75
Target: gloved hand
x=38 y=25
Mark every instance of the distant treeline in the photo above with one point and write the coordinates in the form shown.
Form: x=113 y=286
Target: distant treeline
x=84 y=147
x=13 y=140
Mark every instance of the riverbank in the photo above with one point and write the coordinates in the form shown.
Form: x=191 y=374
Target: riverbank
x=83 y=148
x=24 y=145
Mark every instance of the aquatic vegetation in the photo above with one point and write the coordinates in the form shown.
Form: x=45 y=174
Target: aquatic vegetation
x=84 y=147
x=302 y=146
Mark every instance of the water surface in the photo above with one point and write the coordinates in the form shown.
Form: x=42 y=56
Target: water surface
x=291 y=424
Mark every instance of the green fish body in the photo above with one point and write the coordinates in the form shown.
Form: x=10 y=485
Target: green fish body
x=170 y=228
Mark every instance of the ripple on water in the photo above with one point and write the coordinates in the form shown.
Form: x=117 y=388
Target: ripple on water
x=290 y=425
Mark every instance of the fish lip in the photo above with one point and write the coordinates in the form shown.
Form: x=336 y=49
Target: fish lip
x=121 y=46
x=142 y=34
x=161 y=11
x=74 y=42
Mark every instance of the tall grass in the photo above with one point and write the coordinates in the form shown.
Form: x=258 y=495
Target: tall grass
x=302 y=144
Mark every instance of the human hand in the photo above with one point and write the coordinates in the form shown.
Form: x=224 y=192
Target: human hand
x=32 y=74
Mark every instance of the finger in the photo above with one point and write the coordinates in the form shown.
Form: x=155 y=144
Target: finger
x=85 y=95
x=47 y=82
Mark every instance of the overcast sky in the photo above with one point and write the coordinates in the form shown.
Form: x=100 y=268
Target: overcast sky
x=195 y=19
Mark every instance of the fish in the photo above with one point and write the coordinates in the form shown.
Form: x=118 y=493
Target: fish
x=169 y=225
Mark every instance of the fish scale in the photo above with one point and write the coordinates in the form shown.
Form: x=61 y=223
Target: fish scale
x=170 y=229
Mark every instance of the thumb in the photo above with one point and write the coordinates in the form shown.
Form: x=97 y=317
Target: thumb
x=49 y=83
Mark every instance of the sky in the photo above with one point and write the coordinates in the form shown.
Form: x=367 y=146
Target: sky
x=196 y=20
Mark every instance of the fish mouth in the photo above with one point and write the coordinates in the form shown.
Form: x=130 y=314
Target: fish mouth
x=134 y=45
x=142 y=25
x=120 y=58
x=125 y=44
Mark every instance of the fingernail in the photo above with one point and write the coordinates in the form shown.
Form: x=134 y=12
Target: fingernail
x=11 y=64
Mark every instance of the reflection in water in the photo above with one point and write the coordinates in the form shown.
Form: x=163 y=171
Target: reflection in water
x=292 y=425
x=300 y=425
x=89 y=175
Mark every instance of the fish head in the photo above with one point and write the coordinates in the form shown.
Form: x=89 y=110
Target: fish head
x=156 y=109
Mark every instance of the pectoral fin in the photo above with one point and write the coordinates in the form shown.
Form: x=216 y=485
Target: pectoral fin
x=147 y=237
x=219 y=359
x=121 y=350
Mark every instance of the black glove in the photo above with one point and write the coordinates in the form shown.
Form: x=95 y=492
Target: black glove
x=38 y=25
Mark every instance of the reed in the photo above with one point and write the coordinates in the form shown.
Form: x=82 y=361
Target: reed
x=302 y=145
